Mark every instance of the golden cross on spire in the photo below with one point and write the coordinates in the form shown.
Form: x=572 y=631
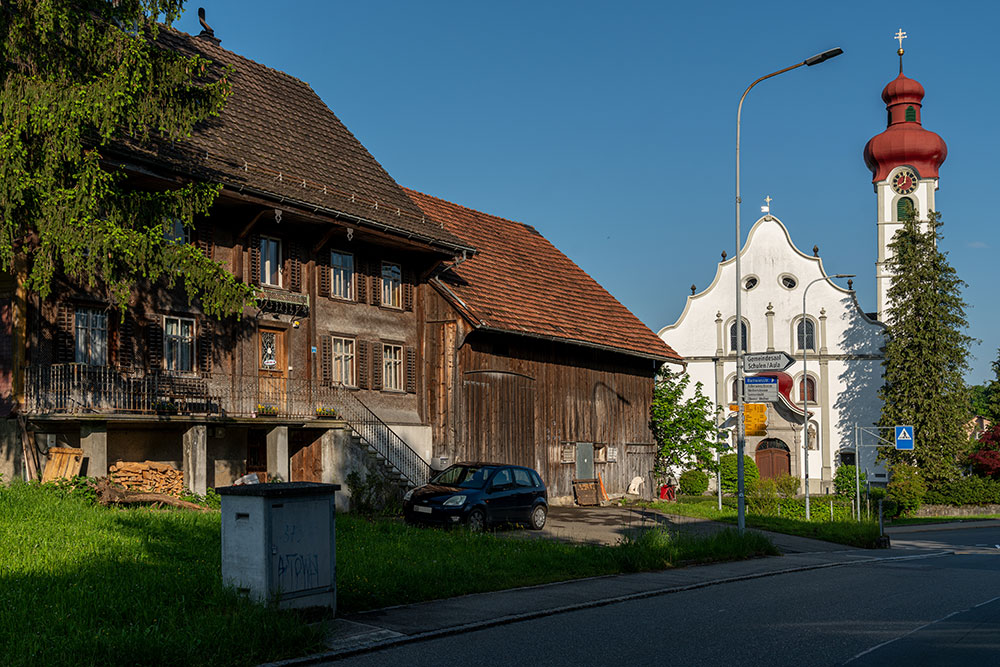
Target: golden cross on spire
x=768 y=200
x=900 y=35
x=766 y=208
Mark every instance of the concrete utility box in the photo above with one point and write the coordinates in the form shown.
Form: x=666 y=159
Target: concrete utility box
x=279 y=542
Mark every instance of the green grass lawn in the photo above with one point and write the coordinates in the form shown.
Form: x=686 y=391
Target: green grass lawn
x=851 y=533
x=84 y=584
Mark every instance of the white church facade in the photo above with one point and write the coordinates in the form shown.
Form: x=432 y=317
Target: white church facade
x=843 y=345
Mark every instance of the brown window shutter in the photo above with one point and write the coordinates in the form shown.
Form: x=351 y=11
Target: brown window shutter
x=408 y=290
x=363 y=355
x=377 y=366
x=323 y=272
x=206 y=350
x=294 y=267
x=254 y=250
x=375 y=269
x=154 y=345
x=206 y=240
x=65 y=347
x=326 y=356
x=411 y=369
x=126 y=341
x=360 y=281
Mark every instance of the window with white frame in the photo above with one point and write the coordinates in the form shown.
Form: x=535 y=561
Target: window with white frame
x=270 y=261
x=392 y=285
x=392 y=367
x=178 y=344
x=91 y=336
x=807 y=389
x=805 y=334
x=732 y=336
x=343 y=361
x=341 y=275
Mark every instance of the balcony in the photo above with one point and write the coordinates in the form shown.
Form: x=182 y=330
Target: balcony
x=78 y=389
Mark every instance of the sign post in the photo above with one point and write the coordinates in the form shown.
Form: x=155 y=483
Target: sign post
x=757 y=362
x=760 y=389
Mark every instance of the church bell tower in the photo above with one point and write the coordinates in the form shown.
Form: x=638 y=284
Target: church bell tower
x=904 y=161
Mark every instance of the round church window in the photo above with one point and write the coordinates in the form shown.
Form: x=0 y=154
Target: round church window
x=750 y=283
x=788 y=282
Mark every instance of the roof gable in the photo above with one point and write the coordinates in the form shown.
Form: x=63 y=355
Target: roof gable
x=520 y=283
x=276 y=137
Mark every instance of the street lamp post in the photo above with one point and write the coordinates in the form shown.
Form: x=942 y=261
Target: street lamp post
x=740 y=425
x=804 y=384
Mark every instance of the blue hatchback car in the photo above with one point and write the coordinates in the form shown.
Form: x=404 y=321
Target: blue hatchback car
x=479 y=495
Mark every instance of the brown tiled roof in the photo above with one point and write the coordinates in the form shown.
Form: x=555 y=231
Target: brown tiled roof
x=520 y=283
x=276 y=138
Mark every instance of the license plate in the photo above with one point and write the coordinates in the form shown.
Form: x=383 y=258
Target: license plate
x=421 y=508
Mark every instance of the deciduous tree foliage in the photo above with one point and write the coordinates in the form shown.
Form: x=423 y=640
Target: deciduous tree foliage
x=78 y=78
x=926 y=354
x=683 y=428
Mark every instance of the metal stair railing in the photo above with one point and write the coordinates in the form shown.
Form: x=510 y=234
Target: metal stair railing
x=377 y=434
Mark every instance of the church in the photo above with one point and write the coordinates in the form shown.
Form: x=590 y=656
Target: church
x=834 y=381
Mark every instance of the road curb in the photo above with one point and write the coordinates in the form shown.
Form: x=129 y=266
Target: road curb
x=339 y=654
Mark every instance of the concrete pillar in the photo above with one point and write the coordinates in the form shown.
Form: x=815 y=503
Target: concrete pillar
x=328 y=454
x=195 y=463
x=94 y=442
x=770 y=327
x=719 y=335
x=277 y=454
x=11 y=451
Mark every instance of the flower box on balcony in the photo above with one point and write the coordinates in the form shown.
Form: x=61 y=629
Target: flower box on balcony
x=328 y=413
x=165 y=408
x=266 y=410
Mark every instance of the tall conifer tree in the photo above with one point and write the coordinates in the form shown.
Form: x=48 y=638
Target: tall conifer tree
x=926 y=353
x=78 y=77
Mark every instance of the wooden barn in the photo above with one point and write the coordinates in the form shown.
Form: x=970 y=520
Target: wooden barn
x=528 y=360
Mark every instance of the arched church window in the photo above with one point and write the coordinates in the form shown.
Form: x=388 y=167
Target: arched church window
x=806 y=334
x=735 y=388
x=911 y=114
x=904 y=209
x=733 y=335
x=807 y=390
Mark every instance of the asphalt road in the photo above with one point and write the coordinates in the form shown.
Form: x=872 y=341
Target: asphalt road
x=936 y=611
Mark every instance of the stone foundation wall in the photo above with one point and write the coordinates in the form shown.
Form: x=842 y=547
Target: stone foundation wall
x=952 y=510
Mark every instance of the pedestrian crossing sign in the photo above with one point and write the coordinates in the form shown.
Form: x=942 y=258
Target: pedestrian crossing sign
x=904 y=437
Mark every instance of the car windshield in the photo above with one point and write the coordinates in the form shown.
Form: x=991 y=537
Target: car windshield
x=467 y=477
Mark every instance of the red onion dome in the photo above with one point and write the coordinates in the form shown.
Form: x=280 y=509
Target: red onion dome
x=904 y=141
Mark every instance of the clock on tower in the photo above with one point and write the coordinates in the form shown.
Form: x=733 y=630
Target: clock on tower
x=904 y=161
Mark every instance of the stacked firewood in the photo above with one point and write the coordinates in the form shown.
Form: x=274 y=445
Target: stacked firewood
x=148 y=476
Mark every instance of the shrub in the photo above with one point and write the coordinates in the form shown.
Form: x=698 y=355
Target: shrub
x=844 y=481
x=965 y=491
x=693 y=482
x=890 y=508
x=728 y=471
x=819 y=509
x=906 y=487
x=762 y=497
x=788 y=485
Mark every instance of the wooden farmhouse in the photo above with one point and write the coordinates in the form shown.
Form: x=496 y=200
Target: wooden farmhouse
x=393 y=332
x=529 y=360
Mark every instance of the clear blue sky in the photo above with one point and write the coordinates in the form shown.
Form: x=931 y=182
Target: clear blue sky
x=610 y=126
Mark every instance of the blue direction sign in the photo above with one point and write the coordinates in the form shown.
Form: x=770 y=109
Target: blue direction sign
x=904 y=437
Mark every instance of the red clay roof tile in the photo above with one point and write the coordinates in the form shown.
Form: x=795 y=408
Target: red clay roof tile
x=521 y=283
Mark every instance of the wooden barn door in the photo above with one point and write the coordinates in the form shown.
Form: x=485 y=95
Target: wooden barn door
x=306 y=448
x=773 y=458
x=499 y=417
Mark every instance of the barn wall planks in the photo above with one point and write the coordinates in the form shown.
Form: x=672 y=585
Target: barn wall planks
x=503 y=397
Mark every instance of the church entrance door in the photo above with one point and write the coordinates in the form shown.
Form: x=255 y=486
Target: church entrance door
x=773 y=458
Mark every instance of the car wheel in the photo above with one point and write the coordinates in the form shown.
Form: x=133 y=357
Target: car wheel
x=476 y=522
x=538 y=515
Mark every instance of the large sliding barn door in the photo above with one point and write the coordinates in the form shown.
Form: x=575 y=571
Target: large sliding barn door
x=499 y=417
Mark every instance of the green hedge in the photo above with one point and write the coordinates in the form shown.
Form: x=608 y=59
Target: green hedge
x=819 y=509
x=727 y=466
x=965 y=491
x=693 y=482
